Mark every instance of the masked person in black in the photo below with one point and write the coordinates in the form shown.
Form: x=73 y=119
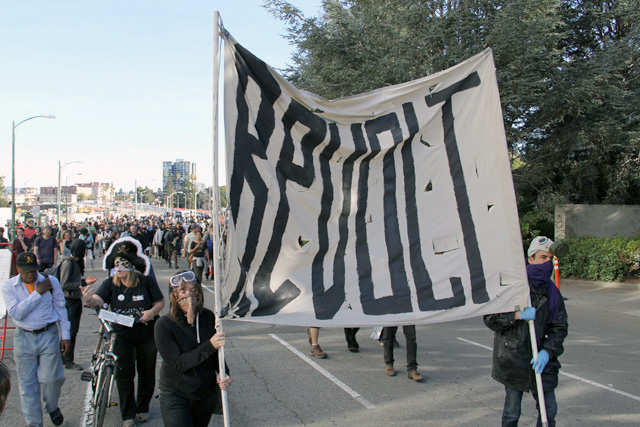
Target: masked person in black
x=71 y=272
x=131 y=292
x=513 y=361
x=188 y=342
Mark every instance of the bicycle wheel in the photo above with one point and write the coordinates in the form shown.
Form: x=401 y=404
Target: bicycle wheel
x=103 y=397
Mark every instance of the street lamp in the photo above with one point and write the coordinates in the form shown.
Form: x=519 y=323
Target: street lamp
x=135 y=200
x=170 y=196
x=66 y=198
x=60 y=166
x=13 y=170
x=196 y=200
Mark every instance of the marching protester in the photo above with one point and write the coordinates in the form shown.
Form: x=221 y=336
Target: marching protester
x=21 y=243
x=350 y=336
x=46 y=249
x=316 y=351
x=64 y=244
x=5 y=385
x=29 y=231
x=188 y=342
x=198 y=255
x=88 y=239
x=131 y=292
x=172 y=241
x=389 y=338
x=36 y=305
x=513 y=362
x=71 y=272
x=158 y=244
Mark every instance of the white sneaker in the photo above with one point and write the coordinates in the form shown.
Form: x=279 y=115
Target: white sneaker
x=129 y=423
x=143 y=417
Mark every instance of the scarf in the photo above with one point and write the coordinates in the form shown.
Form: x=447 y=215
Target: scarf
x=540 y=275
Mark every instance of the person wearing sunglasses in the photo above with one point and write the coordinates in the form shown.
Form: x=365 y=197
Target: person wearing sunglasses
x=188 y=342
x=513 y=361
x=131 y=292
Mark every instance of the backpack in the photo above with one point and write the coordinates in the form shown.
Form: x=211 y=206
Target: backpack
x=55 y=270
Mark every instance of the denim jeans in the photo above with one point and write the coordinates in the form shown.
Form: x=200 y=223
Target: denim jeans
x=131 y=355
x=178 y=411
x=388 y=337
x=39 y=367
x=513 y=404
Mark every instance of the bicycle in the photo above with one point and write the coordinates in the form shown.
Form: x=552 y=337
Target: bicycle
x=103 y=363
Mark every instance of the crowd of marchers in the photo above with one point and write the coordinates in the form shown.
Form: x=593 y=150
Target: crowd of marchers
x=190 y=378
x=46 y=298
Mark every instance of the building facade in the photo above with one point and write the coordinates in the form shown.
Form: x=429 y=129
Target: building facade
x=177 y=173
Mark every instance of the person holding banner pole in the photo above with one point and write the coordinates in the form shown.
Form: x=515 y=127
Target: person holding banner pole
x=187 y=340
x=515 y=363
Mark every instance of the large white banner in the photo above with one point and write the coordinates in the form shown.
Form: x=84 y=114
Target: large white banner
x=386 y=208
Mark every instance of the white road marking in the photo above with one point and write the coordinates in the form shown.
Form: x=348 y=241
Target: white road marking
x=326 y=373
x=566 y=374
x=87 y=415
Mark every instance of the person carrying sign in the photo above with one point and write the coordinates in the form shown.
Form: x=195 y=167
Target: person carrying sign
x=131 y=292
x=513 y=363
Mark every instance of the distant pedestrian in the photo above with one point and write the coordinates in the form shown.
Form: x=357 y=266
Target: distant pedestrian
x=46 y=249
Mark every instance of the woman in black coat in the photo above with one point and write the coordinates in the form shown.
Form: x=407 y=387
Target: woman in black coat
x=188 y=342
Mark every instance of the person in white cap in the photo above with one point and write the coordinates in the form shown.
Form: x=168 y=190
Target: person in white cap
x=513 y=362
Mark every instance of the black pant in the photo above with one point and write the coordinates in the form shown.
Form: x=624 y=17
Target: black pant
x=388 y=337
x=140 y=354
x=178 y=411
x=74 y=312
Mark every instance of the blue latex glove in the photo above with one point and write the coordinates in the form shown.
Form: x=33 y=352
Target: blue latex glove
x=540 y=362
x=529 y=313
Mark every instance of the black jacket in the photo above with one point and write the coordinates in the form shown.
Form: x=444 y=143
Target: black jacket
x=71 y=278
x=512 y=346
x=188 y=369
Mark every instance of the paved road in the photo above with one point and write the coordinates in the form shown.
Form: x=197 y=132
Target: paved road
x=276 y=384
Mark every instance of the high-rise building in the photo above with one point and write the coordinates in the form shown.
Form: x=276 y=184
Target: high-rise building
x=178 y=172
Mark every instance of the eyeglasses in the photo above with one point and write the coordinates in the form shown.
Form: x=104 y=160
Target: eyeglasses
x=187 y=276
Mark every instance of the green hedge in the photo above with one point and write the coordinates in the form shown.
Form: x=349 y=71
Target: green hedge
x=601 y=258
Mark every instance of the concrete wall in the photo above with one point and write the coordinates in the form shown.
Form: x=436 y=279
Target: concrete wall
x=597 y=220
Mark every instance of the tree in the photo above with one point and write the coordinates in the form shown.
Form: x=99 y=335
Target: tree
x=567 y=73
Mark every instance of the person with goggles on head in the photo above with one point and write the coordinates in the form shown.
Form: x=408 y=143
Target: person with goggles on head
x=131 y=292
x=188 y=342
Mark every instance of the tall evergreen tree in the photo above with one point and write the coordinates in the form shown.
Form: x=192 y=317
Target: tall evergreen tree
x=567 y=73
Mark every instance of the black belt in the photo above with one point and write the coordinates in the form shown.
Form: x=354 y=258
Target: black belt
x=37 y=331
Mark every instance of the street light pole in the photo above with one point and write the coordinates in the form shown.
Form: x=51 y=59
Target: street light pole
x=196 y=200
x=170 y=196
x=13 y=170
x=60 y=166
x=66 y=198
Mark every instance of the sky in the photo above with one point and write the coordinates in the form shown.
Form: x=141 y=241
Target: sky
x=129 y=82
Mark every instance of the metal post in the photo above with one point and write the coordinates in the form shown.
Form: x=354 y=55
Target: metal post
x=13 y=170
x=534 y=350
x=13 y=181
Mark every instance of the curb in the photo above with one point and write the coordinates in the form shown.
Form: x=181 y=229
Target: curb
x=599 y=284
